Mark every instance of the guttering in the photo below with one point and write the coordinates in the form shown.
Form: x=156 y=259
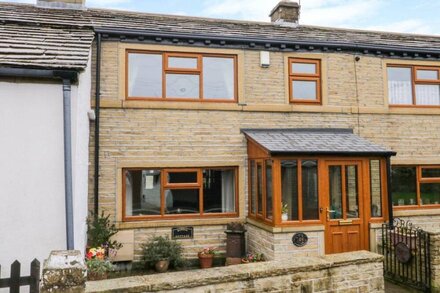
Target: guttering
x=307 y=44
x=67 y=77
x=97 y=112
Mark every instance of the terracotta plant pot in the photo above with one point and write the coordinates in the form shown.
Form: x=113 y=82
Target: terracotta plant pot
x=92 y=276
x=162 y=266
x=205 y=260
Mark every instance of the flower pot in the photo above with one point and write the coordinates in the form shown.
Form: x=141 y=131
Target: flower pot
x=162 y=266
x=284 y=217
x=243 y=260
x=205 y=260
x=94 y=276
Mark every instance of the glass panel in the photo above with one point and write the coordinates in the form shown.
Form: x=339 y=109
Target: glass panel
x=218 y=78
x=145 y=75
x=431 y=172
x=376 y=188
x=289 y=185
x=269 y=189
x=403 y=186
x=218 y=191
x=182 y=62
x=428 y=94
x=427 y=74
x=400 y=85
x=307 y=68
x=183 y=86
x=260 y=188
x=181 y=201
x=430 y=193
x=182 y=177
x=310 y=190
x=305 y=90
x=142 y=192
x=351 y=190
x=335 y=189
x=254 y=183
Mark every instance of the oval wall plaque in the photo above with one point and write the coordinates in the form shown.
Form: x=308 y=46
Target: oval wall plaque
x=299 y=239
x=403 y=253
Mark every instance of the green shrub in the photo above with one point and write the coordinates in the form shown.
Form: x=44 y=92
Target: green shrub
x=160 y=248
x=99 y=231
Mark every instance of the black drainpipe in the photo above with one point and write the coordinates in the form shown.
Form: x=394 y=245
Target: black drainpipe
x=97 y=108
x=67 y=77
x=390 y=197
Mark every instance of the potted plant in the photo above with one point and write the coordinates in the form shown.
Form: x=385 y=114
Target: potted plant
x=284 y=212
x=206 y=256
x=97 y=264
x=100 y=230
x=160 y=252
x=253 y=257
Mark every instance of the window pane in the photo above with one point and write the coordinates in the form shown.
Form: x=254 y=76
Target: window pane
x=310 y=190
x=403 y=185
x=289 y=185
x=181 y=201
x=430 y=193
x=427 y=74
x=427 y=94
x=218 y=191
x=305 y=90
x=182 y=62
x=218 y=78
x=260 y=188
x=351 y=189
x=400 y=86
x=253 y=187
x=269 y=189
x=142 y=192
x=183 y=86
x=145 y=75
x=431 y=172
x=306 y=68
x=182 y=177
x=335 y=184
x=376 y=188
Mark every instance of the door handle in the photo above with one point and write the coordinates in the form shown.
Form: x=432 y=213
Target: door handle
x=328 y=213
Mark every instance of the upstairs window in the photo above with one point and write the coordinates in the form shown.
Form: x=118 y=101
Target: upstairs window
x=414 y=86
x=305 y=80
x=181 y=76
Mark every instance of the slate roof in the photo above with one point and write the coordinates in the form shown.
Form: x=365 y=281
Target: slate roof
x=145 y=22
x=314 y=141
x=44 y=47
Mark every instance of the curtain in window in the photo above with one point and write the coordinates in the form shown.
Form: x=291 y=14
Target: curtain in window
x=128 y=194
x=428 y=94
x=400 y=92
x=228 y=191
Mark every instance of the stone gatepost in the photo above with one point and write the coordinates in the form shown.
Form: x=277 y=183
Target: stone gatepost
x=64 y=271
x=435 y=261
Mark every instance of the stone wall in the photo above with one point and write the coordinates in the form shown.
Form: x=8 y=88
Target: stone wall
x=347 y=272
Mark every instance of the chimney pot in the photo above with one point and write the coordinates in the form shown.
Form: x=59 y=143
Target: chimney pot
x=66 y=4
x=286 y=11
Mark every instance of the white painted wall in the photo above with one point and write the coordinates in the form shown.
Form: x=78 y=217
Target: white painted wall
x=32 y=206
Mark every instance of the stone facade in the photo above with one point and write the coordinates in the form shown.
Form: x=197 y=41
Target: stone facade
x=349 y=272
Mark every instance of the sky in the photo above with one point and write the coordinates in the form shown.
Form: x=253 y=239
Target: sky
x=407 y=16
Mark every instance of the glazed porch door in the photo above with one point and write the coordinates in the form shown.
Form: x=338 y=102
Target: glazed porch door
x=344 y=213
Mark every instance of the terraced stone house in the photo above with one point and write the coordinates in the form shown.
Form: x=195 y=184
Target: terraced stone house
x=291 y=129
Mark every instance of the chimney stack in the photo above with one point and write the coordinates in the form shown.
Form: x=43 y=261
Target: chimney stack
x=286 y=12
x=66 y=4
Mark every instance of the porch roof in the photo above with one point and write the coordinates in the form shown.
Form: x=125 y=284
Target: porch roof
x=315 y=141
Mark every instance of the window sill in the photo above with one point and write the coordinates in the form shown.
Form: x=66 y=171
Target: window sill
x=177 y=222
x=287 y=229
x=416 y=211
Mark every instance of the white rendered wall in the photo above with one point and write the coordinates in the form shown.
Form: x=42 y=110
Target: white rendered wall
x=32 y=202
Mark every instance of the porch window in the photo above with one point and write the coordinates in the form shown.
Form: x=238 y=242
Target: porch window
x=305 y=80
x=181 y=76
x=414 y=85
x=169 y=193
x=376 y=188
x=415 y=186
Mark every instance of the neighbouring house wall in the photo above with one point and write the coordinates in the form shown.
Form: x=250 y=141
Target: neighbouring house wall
x=32 y=210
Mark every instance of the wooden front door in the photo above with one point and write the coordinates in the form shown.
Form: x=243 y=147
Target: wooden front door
x=344 y=199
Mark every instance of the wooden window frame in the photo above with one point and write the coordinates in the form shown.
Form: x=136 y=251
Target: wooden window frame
x=167 y=70
x=415 y=81
x=420 y=180
x=176 y=186
x=305 y=77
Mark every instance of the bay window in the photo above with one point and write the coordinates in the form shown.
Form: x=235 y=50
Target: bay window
x=167 y=193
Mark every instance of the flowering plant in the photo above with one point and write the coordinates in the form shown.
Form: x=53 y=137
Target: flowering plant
x=96 y=253
x=253 y=257
x=208 y=251
x=97 y=263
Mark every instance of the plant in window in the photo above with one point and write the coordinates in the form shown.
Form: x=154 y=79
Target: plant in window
x=161 y=252
x=100 y=231
x=97 y=264
x=284 y=211
x=206 y=256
